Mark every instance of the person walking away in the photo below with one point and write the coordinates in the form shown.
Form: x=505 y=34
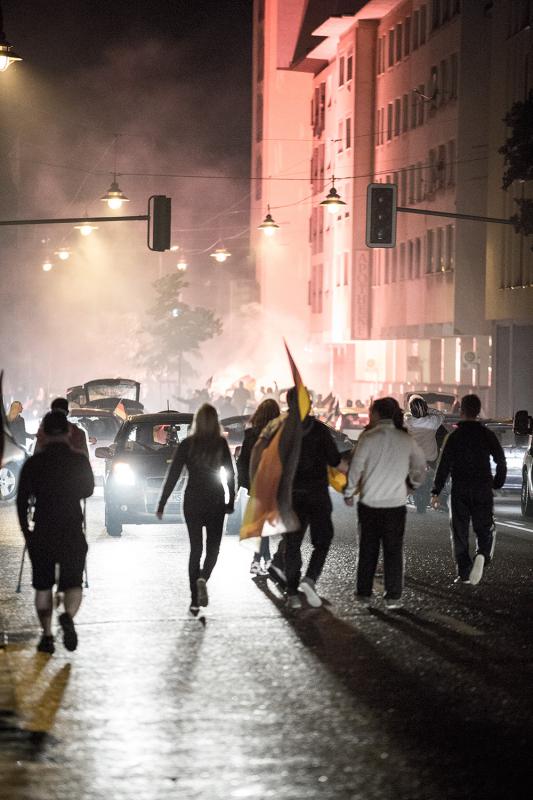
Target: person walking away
x=55 y=480
x=423 y=425
x=386 y=458
x=265 y=412
x=205 y=453
x=466 y=455
x=17 y=425
x=312 y=506
x=241 y=396
x=77 y=437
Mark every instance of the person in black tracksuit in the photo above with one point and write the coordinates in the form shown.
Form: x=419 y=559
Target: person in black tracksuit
x=203 y=453
x=265 y=412
x=57 y=478
x=466 y=456
x=312 y=505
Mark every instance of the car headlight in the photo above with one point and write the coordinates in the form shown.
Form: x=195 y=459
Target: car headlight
x=123 y=473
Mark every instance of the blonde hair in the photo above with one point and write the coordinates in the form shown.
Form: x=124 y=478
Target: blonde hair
x=206 y=438
x=14 y=410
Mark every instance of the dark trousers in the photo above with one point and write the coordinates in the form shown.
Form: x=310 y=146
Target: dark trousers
x=200 y=513
x=314 y=511
x=264 y=550
x=381 y=527
x=476 y=504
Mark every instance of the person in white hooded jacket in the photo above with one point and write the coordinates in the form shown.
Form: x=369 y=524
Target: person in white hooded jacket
x=386 y=465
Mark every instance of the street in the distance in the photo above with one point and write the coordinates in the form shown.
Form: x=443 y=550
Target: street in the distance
x=432 y=701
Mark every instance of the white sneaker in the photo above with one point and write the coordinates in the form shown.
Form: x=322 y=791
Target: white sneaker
x=476 y=573
x=293 y=602
x=255 y=568
x=307 y=586
x=392 y=604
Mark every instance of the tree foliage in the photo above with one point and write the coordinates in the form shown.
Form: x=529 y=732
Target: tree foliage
x=174 y=330
x=518 y=152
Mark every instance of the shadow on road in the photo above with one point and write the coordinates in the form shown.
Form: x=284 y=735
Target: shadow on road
x=453 y=729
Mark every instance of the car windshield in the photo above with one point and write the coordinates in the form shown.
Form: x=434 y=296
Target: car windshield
x=98 y=427
x=123 y=390
x=508 y=438
x=155 y=436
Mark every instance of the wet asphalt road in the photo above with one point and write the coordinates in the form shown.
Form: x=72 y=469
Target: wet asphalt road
x=430 y=702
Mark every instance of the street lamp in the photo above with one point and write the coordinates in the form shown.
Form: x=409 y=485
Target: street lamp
x=268 y=226
x=85 y=228
x=220 y=255
x=47 y=265
x=333 y=201
x=181 y=265
x=63 y=253
x=114 y=197
x=7 y=54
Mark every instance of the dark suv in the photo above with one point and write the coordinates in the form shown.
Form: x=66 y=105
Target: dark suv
x=135 y=468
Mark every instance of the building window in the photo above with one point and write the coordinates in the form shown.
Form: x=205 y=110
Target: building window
x=435 y=22
x=411 y=197
x=258 y=177
x=454 y=76
x=441 y=167
x=389 y=122
x=433 y=89
x=440 y=262
x=402 y=262
x=399 y=42
x=348 y=132
x=410 y=259
x=451 y=163
x=341 y=71
x=394 y=265
x=391 y=48
x=420 y=104
x=450 y=247
x=387 y=266
x=346 y=269
x=414 y=109
x=403 y=187
x=349 y=68
x=407 y=37
x=443 y=86
x=430 y=252
x=418 y=257
x=420 y=194
x=405 y=113
x=259 y=118
x=378 y=57
x=416 y=26
x=397 y=117
x=432 y=181
x=340 y=137
x=378 y=126
x=423 y=25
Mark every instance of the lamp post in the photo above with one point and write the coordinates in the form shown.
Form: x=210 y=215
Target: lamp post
x=7 y=54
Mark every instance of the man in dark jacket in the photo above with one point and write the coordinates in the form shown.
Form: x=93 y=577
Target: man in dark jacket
x=312 y=505
x=466 y=456
x=54 y=481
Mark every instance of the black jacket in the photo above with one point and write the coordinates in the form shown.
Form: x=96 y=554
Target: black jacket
x=318 y=451
x=466 y=456
x=203 y=478
x=251 y=435
x=58 y=478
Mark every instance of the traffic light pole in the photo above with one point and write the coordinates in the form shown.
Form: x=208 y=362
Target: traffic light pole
x=70 y=220
x=472 y=217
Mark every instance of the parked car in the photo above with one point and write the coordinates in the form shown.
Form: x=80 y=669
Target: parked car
x=106 y=393
x=515 y=447
x=523 y=426
x=234 y=427
x=13 y=456
x=352 y=423
x=101 y=428
x=135 y=468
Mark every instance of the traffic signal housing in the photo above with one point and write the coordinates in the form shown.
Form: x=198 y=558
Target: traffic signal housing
x=159 y=222
x=381 y=215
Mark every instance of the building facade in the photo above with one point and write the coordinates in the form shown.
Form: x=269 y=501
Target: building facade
x=399 y=94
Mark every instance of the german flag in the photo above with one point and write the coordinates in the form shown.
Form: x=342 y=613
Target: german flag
x=120 y=410
x=269 y=510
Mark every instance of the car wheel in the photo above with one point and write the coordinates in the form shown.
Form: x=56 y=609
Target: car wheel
x=8 y=482
x=526 y=501
x=112 y=523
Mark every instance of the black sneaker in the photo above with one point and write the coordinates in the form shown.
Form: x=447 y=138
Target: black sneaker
x=46 y=645
x=70 y=637
x=278 y=576
x=194 y=611
x=201 y=588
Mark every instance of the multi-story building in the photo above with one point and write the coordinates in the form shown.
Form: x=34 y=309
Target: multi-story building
x=399 y=94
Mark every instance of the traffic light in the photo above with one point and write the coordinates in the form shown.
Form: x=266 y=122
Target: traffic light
x=381 y=215
x=159 y=219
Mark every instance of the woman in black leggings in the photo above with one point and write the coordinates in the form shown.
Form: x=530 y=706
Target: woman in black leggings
x=206 y=454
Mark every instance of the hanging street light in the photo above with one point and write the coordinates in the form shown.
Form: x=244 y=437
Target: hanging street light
x=333 y=201
x=63 y=253
x=47 y=265
x=220 y=255
x=268 y=226
x=114 y=197
x=86 y=228
x=7 y=54
x=181 y=265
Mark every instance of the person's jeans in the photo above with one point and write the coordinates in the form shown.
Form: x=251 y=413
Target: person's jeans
x=471 y=503
x=381 y=527
x=199 y=514
x=314 y=511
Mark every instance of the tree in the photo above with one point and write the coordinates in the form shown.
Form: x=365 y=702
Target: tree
x=518 y=152
x=174 y=329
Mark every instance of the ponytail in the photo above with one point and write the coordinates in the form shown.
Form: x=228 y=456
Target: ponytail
x=389 y=408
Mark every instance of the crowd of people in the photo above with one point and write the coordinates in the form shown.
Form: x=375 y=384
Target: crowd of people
x=391 y=459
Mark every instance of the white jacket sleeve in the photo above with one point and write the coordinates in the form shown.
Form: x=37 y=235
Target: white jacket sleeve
x=417 y=465
x=357 y=467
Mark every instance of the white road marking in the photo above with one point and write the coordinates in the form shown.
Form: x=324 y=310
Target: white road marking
x=516 y=525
